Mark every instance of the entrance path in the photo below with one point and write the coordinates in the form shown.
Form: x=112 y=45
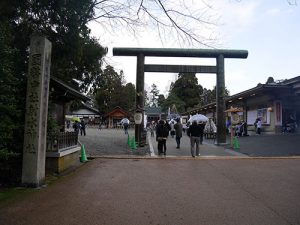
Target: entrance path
x=113 y=142
x=167 y=192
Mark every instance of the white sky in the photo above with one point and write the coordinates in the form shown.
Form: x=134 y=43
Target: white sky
x=268 y=29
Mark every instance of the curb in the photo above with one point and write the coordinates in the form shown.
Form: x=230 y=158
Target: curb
x=191 y=158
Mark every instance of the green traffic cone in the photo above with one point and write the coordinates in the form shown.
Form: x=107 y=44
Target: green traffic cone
x=128 y=141
x=236 y=144
x=133 y=144
x=83 y=154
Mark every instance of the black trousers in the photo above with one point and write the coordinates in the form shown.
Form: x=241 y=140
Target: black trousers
x=82 y=131
x=161 y=146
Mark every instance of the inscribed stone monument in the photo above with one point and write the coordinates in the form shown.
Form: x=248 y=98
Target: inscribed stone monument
x=34 y=151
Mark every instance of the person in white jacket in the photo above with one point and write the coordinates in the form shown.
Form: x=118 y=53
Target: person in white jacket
x=258 y=126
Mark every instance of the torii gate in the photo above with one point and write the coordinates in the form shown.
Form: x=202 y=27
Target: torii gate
x=218 y=54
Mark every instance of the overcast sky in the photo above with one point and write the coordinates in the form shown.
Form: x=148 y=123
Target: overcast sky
x=268 y=29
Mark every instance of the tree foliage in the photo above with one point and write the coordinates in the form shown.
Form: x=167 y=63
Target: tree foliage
x=171 y=100
x=75 y=54
x=187 y=89
x=112 y=91
x=11 y=95
x=161 y=100
x=187 y=94
x=154 y=93
x=209 y=96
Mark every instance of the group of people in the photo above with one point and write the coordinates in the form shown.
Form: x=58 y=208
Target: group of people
x=195 y=132
x=79 y=126
x=163 y=129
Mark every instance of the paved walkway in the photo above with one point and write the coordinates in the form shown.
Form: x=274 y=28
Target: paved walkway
x=219 y=187
x=113 y=142
x=166 y=192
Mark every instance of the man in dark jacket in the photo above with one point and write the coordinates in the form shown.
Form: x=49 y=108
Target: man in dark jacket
x=82 y=128
x=162 y=133
x=194 y=132
x=178 y=132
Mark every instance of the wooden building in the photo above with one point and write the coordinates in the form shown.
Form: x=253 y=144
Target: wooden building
x=62 y=147
x=88 y=113
x=114 y=117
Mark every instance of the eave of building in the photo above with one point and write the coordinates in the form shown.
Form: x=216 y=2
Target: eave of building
x=91 y=108
x=292 y=80
x=260 y=89
x=295 y=83
x=69 y=92
x=118 y=108
x=250 y=93
x=152 y=110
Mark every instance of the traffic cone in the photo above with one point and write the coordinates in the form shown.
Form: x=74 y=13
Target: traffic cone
x=133 y=144
x=236 y=144
x=128 y=141
x=83 y=154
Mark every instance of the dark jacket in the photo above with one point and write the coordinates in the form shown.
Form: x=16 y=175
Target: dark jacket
x=76 y=126
x=195 y=130
x=178 y=129
x=162 y=131
x=82 y=125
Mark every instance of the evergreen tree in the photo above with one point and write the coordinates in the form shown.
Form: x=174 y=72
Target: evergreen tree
x=112 y=92
x=187 y=89
x=161 y=100
x=154 y=93
x=11 y=95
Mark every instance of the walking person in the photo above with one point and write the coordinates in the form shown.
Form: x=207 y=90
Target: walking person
x=194 y=133
x=152 y=127
x=82 y=127
x=126 y=125
x=76 y=127
x=178 y=132
x=172 y=129
x=258 y=126
x=162 y=133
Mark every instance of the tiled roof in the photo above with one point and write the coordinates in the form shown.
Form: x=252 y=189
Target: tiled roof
x=153 y=110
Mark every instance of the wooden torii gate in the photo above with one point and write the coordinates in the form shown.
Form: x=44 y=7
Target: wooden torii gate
x=218 y=54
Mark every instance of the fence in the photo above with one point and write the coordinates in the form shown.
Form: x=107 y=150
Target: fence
x=60 y=141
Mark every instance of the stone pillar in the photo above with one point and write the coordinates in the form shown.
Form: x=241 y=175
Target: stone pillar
x=220 y=100
x=35 y=133
x=139 y=100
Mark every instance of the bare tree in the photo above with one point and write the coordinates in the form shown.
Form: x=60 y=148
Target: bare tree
x=189 y=21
